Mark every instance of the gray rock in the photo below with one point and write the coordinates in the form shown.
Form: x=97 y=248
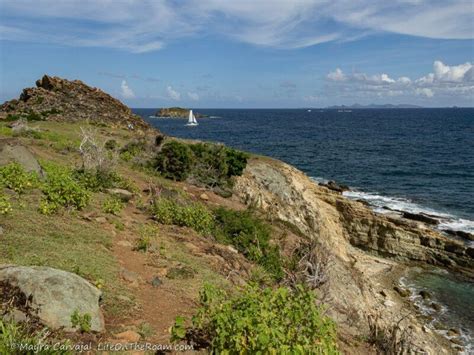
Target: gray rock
x=11 y=151
x=121 y=194
x=16 y=316
x=55 y=295
x=425 y=295
x=156 y=282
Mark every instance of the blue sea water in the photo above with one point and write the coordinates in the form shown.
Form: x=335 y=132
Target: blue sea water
x=418 y=160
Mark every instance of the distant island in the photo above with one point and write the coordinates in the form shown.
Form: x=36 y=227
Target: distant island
x=176 y=112
x=358 y=106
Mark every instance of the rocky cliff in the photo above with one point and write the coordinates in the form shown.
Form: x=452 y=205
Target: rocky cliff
x=368 y=250
x=59 y=99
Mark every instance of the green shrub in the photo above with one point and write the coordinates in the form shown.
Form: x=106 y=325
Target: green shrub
x=96 y=180
x=81 y=321
x=5 y=205
x=132 y=149
x=61 y=190
x=14 y=177
x=207 y=164
x=112 y=205
x=250 y=236
x=236 y=161
x=174 y=161
x=193 y=215
x=260 y=321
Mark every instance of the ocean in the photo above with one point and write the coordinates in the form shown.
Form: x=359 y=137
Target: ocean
x=415 y=160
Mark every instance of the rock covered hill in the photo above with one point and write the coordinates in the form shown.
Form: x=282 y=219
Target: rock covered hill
x=58 y=99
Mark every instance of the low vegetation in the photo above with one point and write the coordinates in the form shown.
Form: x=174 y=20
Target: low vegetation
x=14 y=177
x=250 y=235
x=211 y=165
x=112 y=205
x=81 y=321
x=13 y=335
x=192 y=215
x=5 y=205
x=259 y=320
x=61 y=190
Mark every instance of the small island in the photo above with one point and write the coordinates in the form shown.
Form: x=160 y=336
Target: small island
x=176 y=112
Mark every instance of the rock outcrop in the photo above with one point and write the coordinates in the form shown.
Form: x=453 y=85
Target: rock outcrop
x=367 y=249
x=12 y=151
x=59 y=99
x=49 y=295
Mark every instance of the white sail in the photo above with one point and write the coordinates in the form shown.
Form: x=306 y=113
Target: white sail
x=191 y=119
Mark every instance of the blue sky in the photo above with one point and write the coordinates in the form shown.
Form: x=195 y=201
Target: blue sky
x=242 y=53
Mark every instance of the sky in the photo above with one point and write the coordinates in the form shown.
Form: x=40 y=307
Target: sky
x=245 y=53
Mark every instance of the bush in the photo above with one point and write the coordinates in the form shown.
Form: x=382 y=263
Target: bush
x=96 y=180
x=5 y=205
x=132 y=149
x=14 y=177
x=211 y=165
x=112 y=205
x=174 y=161
x=61 y=190
x=193 y=215
x=251 y=237
x=260 y=321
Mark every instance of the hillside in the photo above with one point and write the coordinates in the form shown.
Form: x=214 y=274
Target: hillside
x=57 y=99
x=151 y=228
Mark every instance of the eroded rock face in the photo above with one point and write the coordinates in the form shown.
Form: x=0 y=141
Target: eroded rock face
x=59 y=99
x=54 y=295
x=12 y=151
x=359 y=242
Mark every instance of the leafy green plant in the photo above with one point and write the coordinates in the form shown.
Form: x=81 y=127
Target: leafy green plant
x=81 y=321
x=14 y=177
x=61 y=190
x=112 y=205
x=193 y=215
x=260 y=321
x=5 y=131
x=250 y=236
x=178 y=330
x=5 y=205
x=96 y=180
x=174 y=161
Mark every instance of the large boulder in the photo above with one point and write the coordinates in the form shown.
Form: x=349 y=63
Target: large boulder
x=12 y=151
x=53 y=295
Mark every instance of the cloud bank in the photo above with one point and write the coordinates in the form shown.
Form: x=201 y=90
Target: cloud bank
x=148 y=25
x=445 y=80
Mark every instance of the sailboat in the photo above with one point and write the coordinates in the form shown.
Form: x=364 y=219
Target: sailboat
x=191 y=119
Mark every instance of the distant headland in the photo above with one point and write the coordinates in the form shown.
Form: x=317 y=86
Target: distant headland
x=377 y=106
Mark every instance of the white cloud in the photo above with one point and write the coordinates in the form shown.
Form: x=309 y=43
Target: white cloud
x=173 y=94
x=143 y=26
x=193 y=96
x=126 y=91
x=445 y=80
x=337 y=75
